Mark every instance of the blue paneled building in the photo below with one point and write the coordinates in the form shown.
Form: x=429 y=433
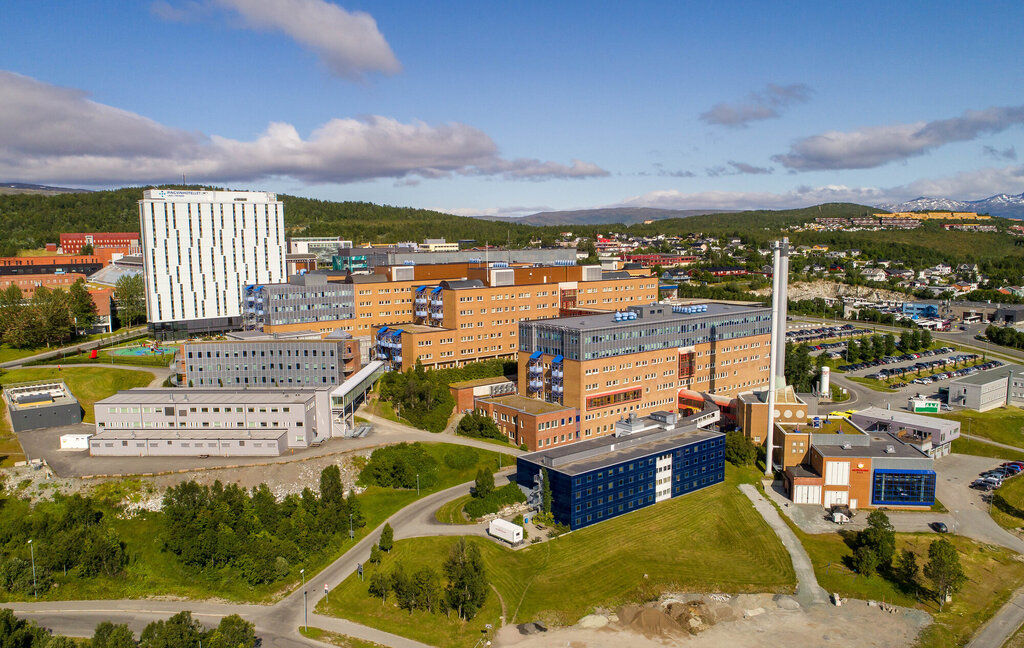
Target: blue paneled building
x=646 y=461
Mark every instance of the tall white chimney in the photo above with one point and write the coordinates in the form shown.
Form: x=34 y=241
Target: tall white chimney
x=773 y=354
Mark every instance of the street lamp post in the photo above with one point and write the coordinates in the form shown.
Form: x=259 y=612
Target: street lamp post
x=417 y=484
x=32 y=550
x=351 y=531
x=305 y=613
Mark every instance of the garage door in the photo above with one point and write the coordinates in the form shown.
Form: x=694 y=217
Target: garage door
x=807 y=494
x=835 y=497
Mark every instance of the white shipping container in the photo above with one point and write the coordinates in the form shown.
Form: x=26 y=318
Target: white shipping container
x=503 y=530
x=74 y=441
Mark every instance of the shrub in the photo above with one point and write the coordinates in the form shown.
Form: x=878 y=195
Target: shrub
x=739 y=450
x=461 y=457
x=479 y=426
x=397 y=467
x=494 y=501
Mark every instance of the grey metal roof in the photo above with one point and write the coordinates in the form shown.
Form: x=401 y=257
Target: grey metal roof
x=603 y=320
x=462 y=283
x=611 y=450
x=877 y=448
x=985 y=377
x=905 y=418
x=255 y=396
x=184 y=434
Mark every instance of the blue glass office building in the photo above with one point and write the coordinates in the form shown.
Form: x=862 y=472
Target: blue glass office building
x=649 y=460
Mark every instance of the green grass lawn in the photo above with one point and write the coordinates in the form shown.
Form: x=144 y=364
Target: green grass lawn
x=337 y=639
x=107 y=357
x=88 y=384
x=981 y=449
x=452 y=512
x=154 y=572
x=992 y=571
x=1008 y=506
x=1005 y=424
x=711 y=540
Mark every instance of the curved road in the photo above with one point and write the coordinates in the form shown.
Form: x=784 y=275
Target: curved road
x=276 y=624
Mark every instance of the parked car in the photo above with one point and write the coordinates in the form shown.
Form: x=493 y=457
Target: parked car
x=939 y=527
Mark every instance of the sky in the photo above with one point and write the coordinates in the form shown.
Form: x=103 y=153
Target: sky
x=512 y=108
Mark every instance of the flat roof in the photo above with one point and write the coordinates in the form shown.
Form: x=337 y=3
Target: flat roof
x=480 y=382
x=175 y=434
x=875 y=449
x=906 y=418
x=255 y=396
x=595 y=454
x=38 y=394
x=602 y=320
x=985 y=377
x=525 y=404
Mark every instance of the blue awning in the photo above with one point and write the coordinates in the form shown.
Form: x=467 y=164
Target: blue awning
x=558 y=358
x=535 y=355
x=382 y=330
x=397 y=332
x=435 y=290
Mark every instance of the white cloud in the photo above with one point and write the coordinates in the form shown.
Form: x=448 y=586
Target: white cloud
x=348 y=42
x=764 y=104
x=504 y=212
x=968 y=185
x=877 y=145
x=51 y=134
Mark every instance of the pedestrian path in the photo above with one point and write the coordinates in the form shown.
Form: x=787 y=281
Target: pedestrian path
x=808 y=592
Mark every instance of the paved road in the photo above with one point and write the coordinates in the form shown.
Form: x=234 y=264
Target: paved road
x=999 y=628
x=968 y=506
x=808 y=592
x=276 y=624
x=74 y=348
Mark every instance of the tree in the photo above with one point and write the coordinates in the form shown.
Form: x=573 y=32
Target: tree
x=233 y=632
x=944 y=570
x=380 y=585
x=906 y=569
x=180 y=631
x=401 y=584
x=387 y=538
x=865 y=560
x=83 y=308
x=108 y=635
x=426 y=590
x=374 y=555
x=484 y=483
x=87 y=250
x=467 y=580
x=926 y=338
x=545 y=492
x=852 y=351
x=890 y=344
x=880 y=537
x=130 y=296
x=739 y=450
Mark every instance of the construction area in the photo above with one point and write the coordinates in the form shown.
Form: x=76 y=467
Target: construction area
x=727 y=621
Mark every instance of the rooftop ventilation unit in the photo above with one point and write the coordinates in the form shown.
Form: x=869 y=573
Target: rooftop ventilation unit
x=890 y=449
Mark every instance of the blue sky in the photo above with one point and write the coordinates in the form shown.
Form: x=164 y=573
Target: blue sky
x=514 y=107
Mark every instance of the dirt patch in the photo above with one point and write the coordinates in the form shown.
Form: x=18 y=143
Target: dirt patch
x=718 y=621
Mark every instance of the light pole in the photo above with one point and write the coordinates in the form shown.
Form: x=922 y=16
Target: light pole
x=417 y=484
x=351 y=532
x=32 y=550
x=305 y=614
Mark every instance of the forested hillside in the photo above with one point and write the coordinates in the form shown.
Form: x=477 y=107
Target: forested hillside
x=30 y=221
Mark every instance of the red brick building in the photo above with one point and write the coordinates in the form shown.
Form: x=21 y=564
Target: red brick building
x=124 y=242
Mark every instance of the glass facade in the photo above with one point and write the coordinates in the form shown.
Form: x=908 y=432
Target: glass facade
x=588 y=498
x=896 y=487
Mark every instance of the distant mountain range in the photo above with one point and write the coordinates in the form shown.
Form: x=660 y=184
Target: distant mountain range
x=624 y=215
x=23 y=188
x=1005 y=205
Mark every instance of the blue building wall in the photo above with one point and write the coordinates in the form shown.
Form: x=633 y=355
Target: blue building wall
x=582 y=500
x=899 y=487
x=916 y=309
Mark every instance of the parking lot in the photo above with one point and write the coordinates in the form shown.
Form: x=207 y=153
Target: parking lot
x=903 y=369
x=818 y=333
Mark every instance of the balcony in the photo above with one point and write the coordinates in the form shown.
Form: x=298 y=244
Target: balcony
x=421 y=300
x=535 y=385
x=556 y=373
x=397 y=359
x=421 y=313
x=436 y=303
x=536 y=370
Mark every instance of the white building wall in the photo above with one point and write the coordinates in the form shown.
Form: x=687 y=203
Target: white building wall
x=201 y=248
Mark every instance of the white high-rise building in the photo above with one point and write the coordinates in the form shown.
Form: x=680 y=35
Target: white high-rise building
x=201 y=248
